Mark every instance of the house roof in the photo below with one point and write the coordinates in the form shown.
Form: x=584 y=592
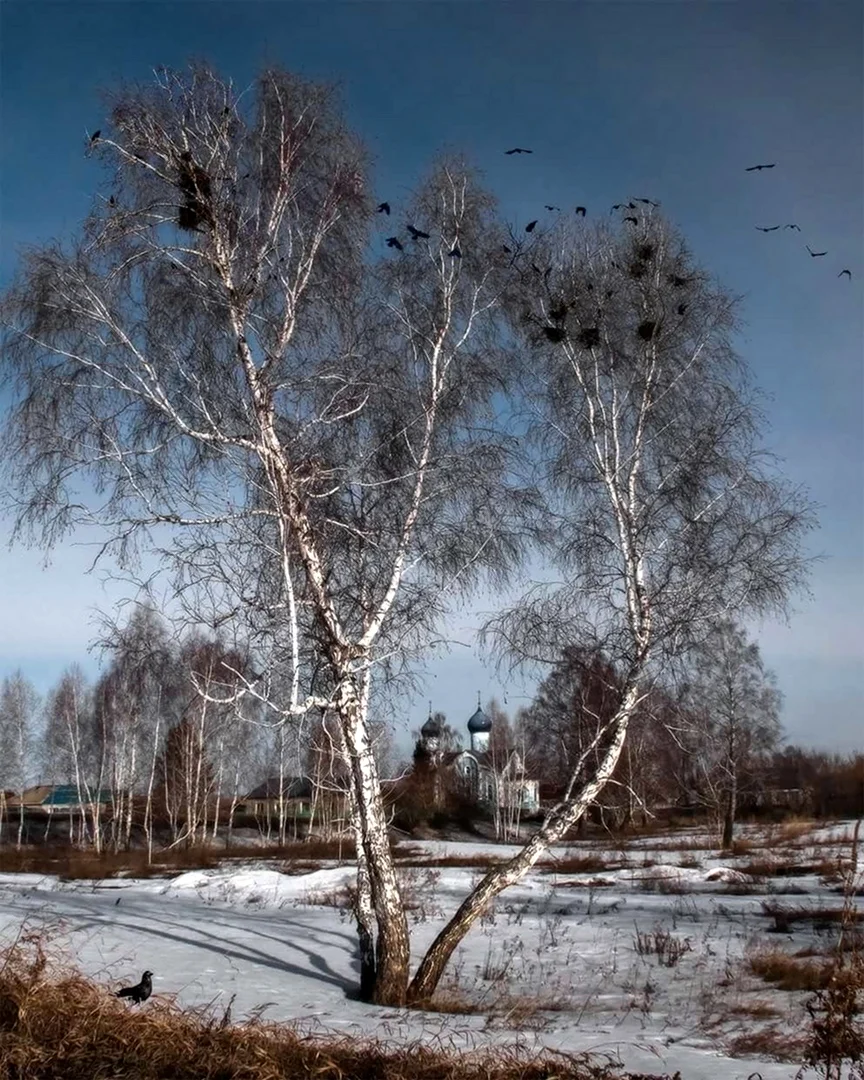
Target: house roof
x=58 y=795
x=293 y=787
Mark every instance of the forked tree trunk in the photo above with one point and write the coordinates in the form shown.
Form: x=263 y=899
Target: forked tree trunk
x=559 y=820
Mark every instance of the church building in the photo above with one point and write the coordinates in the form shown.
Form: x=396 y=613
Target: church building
x=492 y=778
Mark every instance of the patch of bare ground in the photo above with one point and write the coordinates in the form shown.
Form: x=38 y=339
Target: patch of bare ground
x=57 y=1025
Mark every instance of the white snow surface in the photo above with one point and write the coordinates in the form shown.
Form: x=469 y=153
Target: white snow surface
x=273 y=944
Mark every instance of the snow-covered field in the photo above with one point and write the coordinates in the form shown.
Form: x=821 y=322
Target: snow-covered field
x=564 y=961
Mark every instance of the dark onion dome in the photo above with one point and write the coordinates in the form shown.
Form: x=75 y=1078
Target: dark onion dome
x=479 y=722
x=431 y=729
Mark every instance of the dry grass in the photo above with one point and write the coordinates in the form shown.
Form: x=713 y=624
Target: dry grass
x=772 y=1043
x=57 y=1025
x=788 y=972
x=785 y=916
x=70 y=863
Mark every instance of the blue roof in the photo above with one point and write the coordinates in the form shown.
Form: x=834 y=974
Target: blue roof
x=479 y=722
x=66 y=794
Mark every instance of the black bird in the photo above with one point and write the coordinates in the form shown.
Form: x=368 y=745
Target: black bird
x=518 y=150
x=530 y=226
x=580 y=211
x=455 y=253
x=773 y=228
x=848 y=274
x=416 y=234
x=758 y=168
x=815 y=254
x=141 y=991
x=95 y=136
x=633 y=219
x=623 y=206
x=112 y=201
x=117 y=901
x=393 y=241
x=796 y=227
x=553 y=207
x=648 y=202
x=384 y=208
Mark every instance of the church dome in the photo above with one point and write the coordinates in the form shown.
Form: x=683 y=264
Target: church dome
x=479 y=722
x=431 y=729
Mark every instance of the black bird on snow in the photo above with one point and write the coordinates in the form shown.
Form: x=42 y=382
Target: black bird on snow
x=634 y=220
x=518 y=150
x=393 y=241
x=580 y=211
x=848 y=274
x=772 y=228
x=455 y=253
x=139 y=992
x=815 y=254
x=759 y=168
x=384 y=208
x=417 y=234
x=553 y=207
x=530 y=226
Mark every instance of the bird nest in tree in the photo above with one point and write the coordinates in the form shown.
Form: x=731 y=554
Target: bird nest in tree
x=589 y=338
x=556 y=334
x=647 y=329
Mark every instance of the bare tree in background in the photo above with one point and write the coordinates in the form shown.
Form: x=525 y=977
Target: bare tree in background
x=18 y=708
x=299 y=431
x=734 y=706
x=67 y=747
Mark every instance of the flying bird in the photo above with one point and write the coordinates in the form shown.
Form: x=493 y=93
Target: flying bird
x=518 y=150
x=384 y=208
x=633 y=219
x=792 y=227
x=848 y=274
x=393 y=241
x=648 y=202
x=141 y=991
x=623 y=206
x=417 y=234
x=773 y=228
x=553 y=207
x=815 y=254
x=530 y=226
x=580 y=211
x=758 y=168
x=455 y=253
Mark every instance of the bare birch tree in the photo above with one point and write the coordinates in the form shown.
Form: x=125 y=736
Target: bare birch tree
x=664 y=513
x=18 y=707
x=218 y=357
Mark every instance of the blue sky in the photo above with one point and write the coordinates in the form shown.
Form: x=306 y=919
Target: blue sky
x=666 y=100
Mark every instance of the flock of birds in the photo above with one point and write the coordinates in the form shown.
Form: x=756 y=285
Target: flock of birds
x=195 y=185
x=630 y=218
